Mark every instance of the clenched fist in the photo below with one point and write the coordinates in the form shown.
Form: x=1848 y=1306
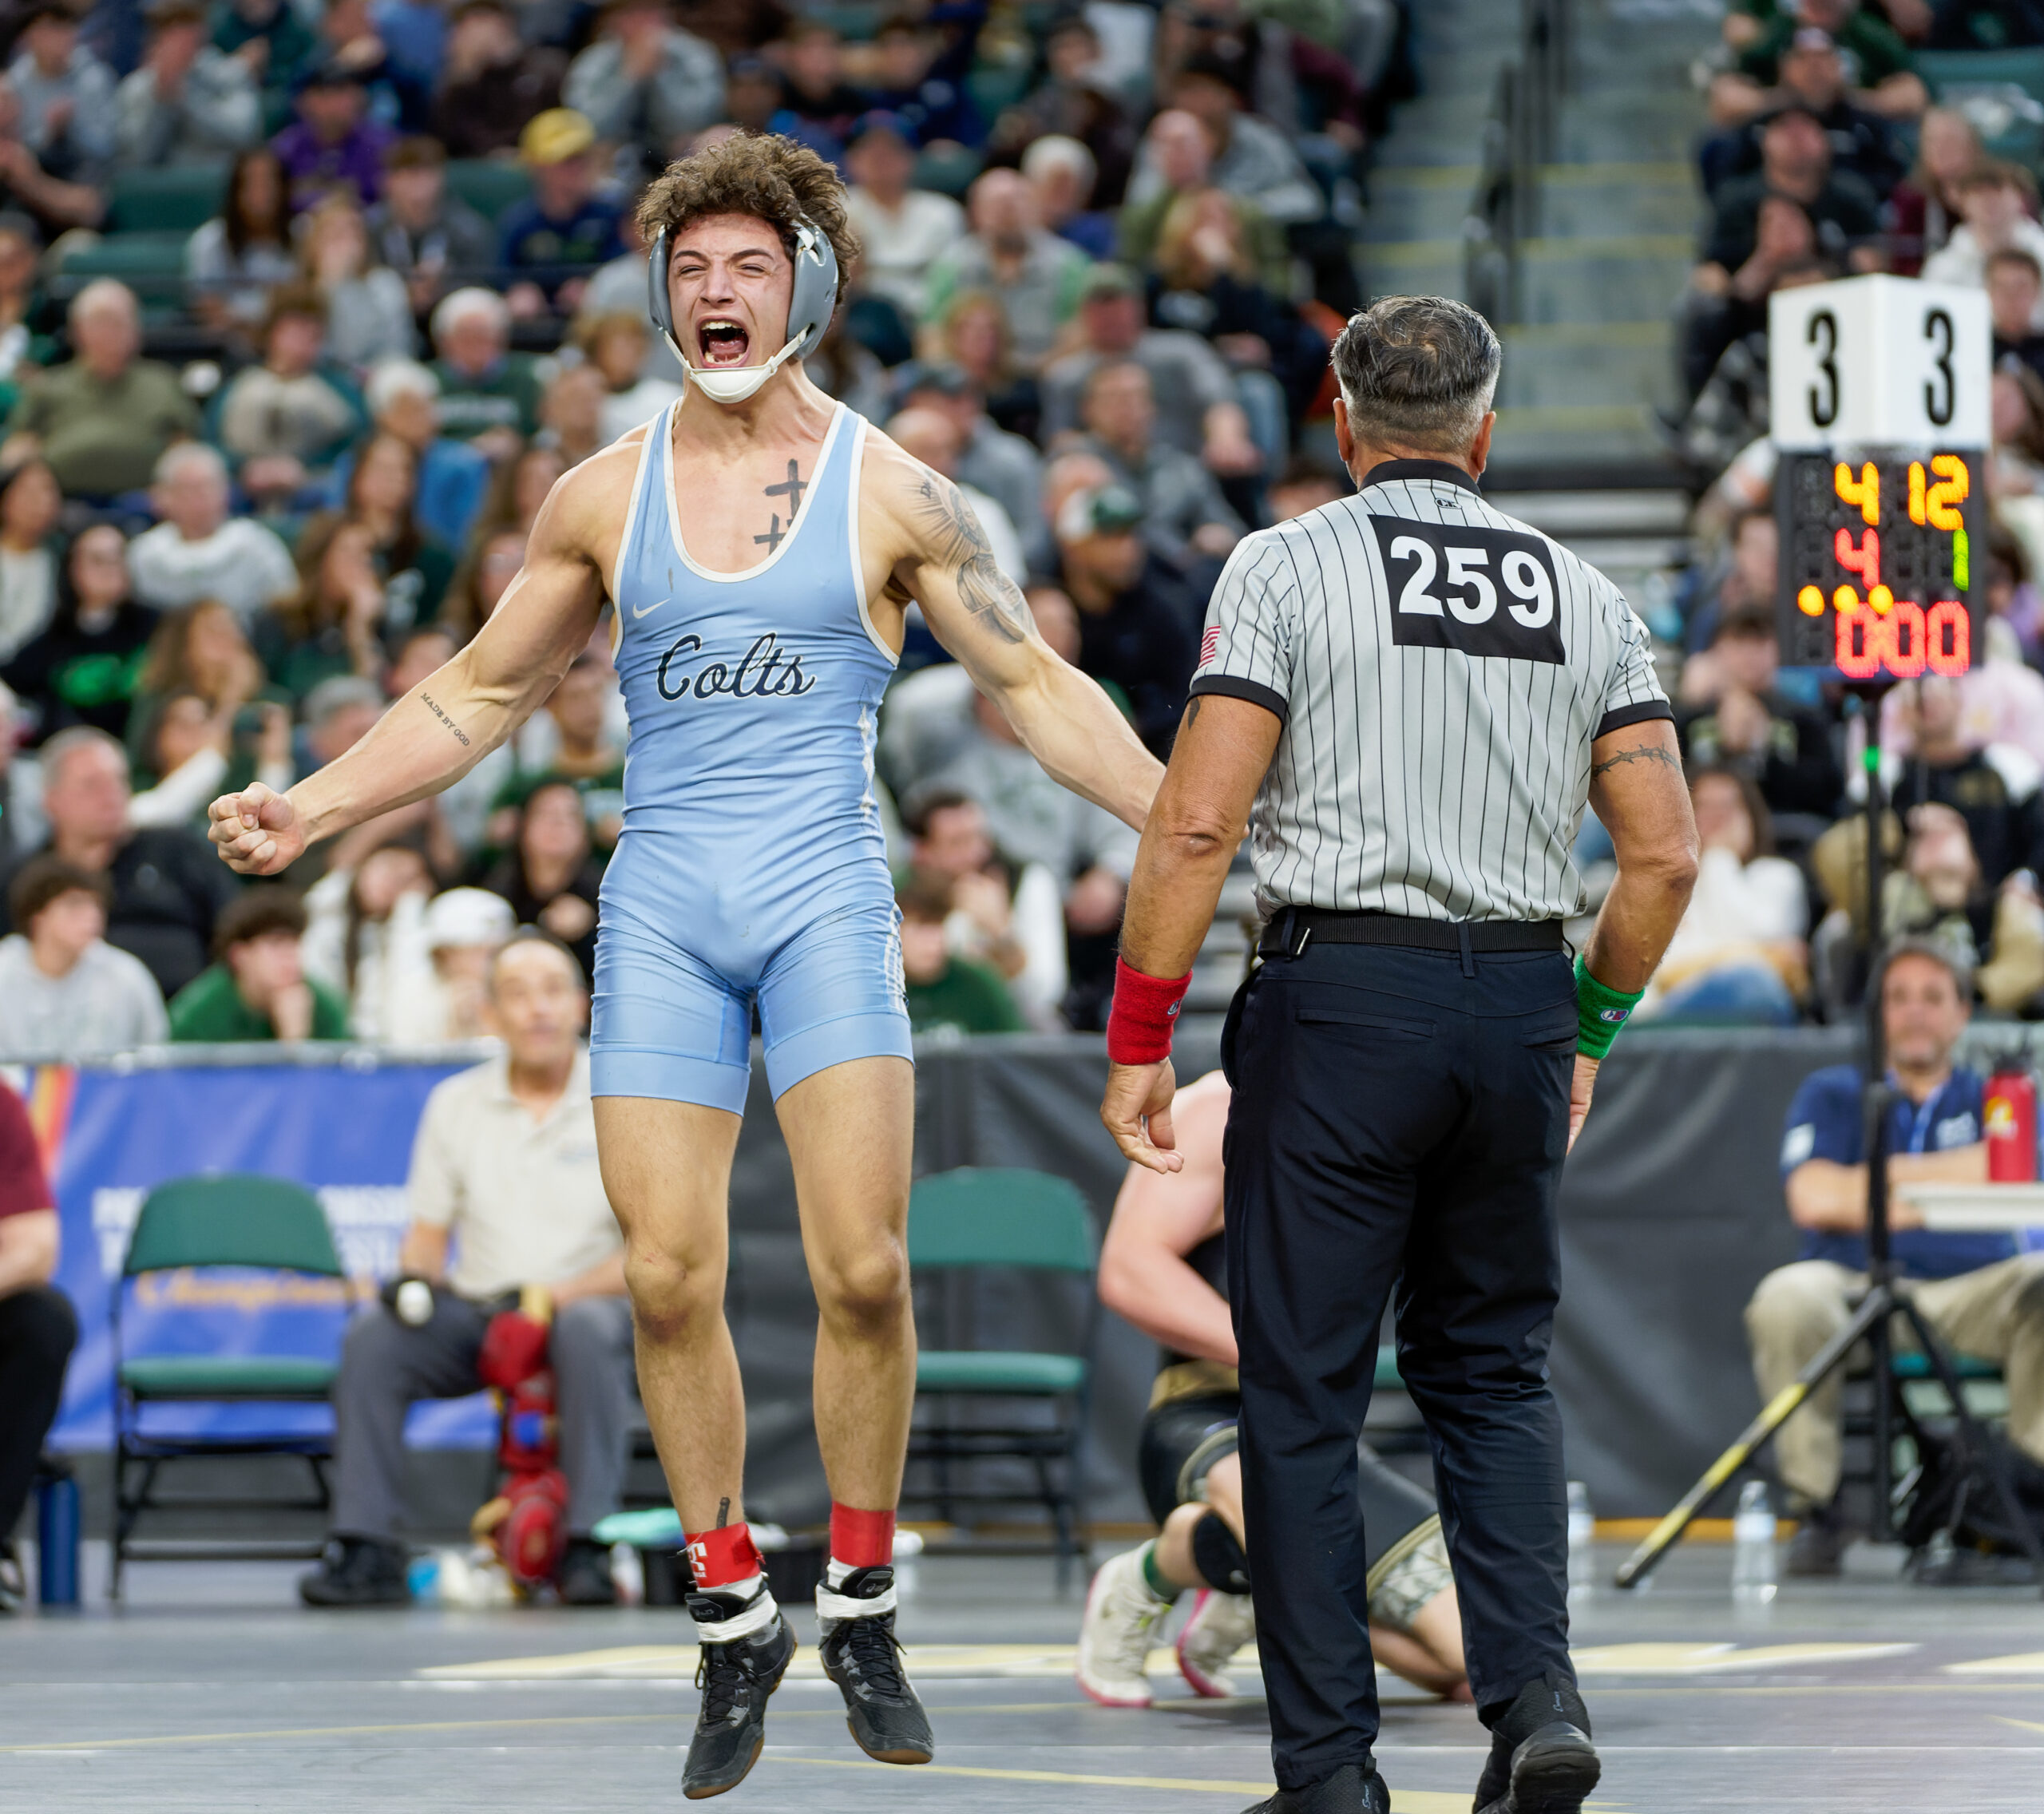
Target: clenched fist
x=256 y=829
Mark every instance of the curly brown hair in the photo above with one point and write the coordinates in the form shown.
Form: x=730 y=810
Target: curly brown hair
x=763 y=174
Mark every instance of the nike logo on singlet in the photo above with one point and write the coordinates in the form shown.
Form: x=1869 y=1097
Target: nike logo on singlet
x=766 y=672
x=647 y=610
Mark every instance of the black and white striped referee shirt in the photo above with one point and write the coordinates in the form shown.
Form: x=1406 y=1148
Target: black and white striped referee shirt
x=1441 y=670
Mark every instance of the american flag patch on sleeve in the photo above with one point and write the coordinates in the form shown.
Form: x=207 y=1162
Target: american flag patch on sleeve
x=1210 y=644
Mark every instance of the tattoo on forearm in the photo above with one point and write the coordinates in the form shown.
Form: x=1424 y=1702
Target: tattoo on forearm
x=961 y=545
x=460 y=736
x=1639 y=753
x=791 y=489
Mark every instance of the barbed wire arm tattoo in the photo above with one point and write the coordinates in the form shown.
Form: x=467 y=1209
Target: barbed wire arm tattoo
x=1638 y=753
x=959 y=546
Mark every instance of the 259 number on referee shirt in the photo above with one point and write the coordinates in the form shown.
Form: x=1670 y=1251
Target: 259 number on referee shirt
x=1483 y=592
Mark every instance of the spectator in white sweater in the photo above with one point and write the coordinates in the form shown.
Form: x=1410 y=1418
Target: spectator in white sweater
x=902 y=230
x=198 y=551
x=1738 y=957
x=65 y=992
x=1996 y=200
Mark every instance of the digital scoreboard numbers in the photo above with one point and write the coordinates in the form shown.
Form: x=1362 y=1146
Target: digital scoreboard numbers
x=1879 y=388
x=1877 y=561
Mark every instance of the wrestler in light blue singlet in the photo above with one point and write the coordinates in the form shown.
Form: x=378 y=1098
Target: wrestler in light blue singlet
x=752 y=863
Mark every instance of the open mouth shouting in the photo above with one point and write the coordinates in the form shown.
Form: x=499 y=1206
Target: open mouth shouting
x=722 y=341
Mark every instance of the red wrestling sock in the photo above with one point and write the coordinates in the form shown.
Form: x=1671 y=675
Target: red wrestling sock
x=860 y=1539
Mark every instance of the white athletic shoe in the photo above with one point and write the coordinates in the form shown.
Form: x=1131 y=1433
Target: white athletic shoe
x=1114 y=1637
x=1220 y=1626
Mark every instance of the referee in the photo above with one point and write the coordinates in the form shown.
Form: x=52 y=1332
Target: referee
x=1407 y=696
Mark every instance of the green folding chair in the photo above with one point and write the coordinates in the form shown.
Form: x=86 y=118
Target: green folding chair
x=230 y=1219
x=973 y=1220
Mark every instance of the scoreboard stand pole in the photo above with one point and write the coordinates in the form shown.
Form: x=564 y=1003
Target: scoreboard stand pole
x=1872 y=1319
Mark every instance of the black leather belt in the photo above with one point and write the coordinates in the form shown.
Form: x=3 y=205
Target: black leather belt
x=1292 y=929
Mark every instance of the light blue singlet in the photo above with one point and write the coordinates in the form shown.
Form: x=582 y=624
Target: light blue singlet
x=752 y=864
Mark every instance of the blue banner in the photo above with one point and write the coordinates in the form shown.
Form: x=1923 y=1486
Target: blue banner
x=110 y=1135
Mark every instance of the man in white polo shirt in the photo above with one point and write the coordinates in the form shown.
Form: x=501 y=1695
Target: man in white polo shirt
x=504 y=1194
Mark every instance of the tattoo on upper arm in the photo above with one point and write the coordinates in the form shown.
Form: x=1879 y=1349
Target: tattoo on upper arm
x=460 y=736
x=1639 y=753
x=791 y=489
x=1192 y=712
x=961 y=545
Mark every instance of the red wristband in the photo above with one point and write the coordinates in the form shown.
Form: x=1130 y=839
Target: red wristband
x=1139 y=1024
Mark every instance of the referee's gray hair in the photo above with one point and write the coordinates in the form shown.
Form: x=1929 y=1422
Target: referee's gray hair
x=1418 y=372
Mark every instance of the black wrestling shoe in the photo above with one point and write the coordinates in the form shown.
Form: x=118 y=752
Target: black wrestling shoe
x=585 y=1579
x=736 y=1675
x=1355 y=1788
x=864 y=1658
x=1541 y=1760
x=357 y=1571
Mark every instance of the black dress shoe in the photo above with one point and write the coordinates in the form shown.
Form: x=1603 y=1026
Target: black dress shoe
x=1355 y=1788
x=864 y=1658
x=358 y=1571
x=585 y=1579
x=1541 y=1760
x=735 y=1675
x=1818 y=1550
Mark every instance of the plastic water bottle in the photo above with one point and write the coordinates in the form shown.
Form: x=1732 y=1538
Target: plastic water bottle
x=1582 y=1543
x=628 y=1574
x=1752 y=1547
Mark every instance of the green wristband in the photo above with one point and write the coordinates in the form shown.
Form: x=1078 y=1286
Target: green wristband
x=1599 y=1012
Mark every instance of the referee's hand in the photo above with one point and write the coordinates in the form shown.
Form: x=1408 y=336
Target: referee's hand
x=1137 y=1110
x=1581 y=1087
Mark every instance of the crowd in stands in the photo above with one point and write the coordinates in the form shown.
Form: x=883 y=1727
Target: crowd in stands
x=1828 y=155
x=306 y=304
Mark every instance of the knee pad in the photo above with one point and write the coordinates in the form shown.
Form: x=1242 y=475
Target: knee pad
x=1218 y=1557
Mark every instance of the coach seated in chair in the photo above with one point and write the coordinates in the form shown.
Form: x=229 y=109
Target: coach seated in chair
x=504 y=1194
x=1980 y=1297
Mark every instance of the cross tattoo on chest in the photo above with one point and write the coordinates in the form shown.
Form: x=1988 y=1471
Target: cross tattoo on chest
x=792 y=490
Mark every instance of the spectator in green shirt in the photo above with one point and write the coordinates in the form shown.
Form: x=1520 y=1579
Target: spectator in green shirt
x=490 y=396
x=947 y=993
x=257 y=988
x=103 y=419
x=1878 y=73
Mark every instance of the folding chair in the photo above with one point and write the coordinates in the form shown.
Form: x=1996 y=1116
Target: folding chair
x=227 y=1220
x=1016 y=1221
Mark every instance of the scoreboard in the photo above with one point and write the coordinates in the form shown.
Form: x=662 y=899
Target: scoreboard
x=1879 y=394
x=1877 y=558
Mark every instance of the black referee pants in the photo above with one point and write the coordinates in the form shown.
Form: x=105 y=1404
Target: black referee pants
x=1399 y=1117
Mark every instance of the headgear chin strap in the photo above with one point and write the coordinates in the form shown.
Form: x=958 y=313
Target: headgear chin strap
x=810 y=305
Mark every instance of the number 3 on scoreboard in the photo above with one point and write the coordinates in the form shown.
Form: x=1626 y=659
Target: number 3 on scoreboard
x=1940 y=393
x=1824 y=402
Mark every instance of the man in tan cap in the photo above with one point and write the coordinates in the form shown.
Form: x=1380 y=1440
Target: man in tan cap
x=567 y=227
